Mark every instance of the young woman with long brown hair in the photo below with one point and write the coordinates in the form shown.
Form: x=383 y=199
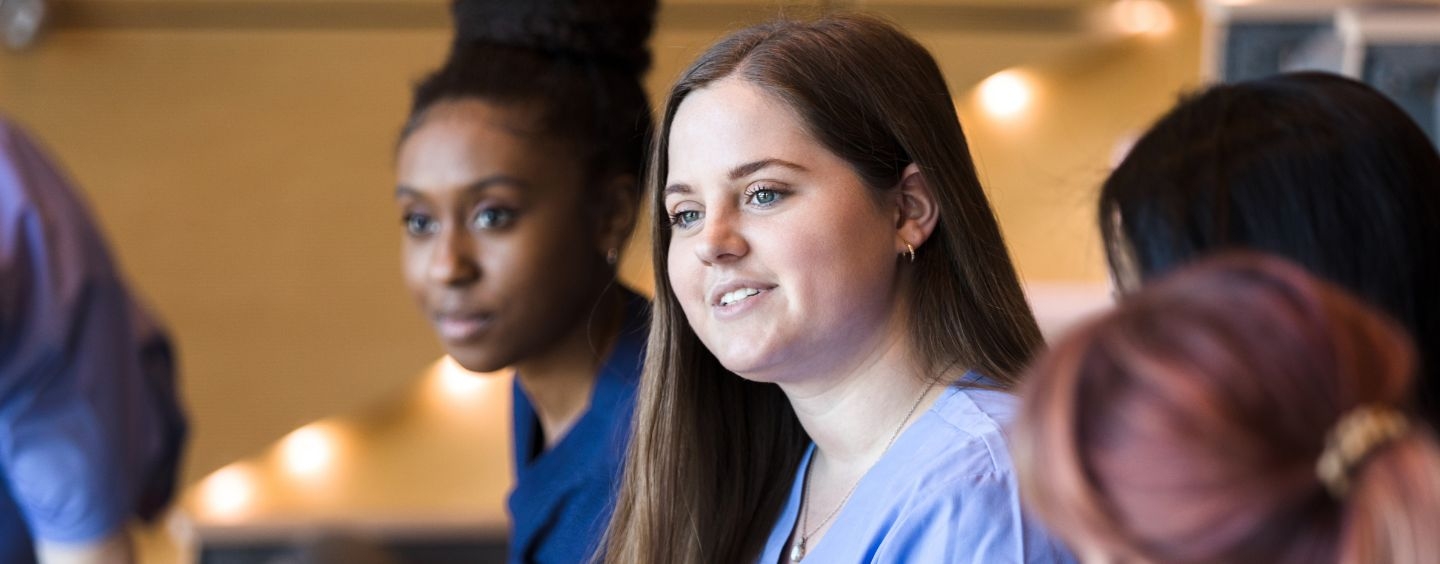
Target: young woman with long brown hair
x=1238 y=410
x=837 y=319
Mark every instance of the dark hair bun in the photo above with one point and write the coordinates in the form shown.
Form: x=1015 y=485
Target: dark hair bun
x=609 y=32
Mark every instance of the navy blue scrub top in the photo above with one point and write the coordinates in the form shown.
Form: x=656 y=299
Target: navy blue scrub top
x=563 y=496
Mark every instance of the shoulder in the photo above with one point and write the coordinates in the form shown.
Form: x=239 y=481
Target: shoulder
x=967 y=432
x=964 y=501
x=964 y=459
x=969 y=517
x=11 y=135
x=627 y=358
x=958 y=460
x=963 y=462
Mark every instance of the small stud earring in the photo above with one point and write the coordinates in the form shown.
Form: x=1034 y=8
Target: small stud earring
x=612 y=256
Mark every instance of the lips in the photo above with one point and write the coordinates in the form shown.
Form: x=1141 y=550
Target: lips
x=459 y=327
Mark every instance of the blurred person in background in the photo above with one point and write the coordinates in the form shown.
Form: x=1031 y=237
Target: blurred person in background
x=91 y=429
x=518 y=178
x=1313 y=167
x=1238 y=410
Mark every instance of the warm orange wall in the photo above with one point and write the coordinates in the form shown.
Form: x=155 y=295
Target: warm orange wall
x=1043 y=170
x=244 y=178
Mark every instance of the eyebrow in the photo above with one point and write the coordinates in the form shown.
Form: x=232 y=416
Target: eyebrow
x=750 y=168
x=476 y=186
x=739 y=172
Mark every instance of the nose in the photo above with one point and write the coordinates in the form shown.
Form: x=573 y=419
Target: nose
x=452 y=259
x=720 y=239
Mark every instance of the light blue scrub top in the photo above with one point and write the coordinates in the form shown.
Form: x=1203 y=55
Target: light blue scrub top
x=946 y=491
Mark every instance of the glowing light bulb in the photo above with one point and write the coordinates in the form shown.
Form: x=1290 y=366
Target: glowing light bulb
x=1142 y=17
x=1005 y=94
x=229 y=492
x=309 y=451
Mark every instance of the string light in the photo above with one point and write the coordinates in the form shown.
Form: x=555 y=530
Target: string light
x=1142 y=17
x=1005 y=94
x=310 y=451
x=229 y=493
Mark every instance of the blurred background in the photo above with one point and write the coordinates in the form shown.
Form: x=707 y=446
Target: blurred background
x=239 y=156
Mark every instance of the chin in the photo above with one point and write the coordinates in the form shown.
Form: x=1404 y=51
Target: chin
x=750 y=368
x=482 y=361
x=758 y=377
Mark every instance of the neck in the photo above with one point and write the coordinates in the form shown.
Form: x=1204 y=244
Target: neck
x=559 y=382
x=853 y=413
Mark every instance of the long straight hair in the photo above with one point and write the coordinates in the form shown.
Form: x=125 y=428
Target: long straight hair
x=1185 y=426
x=713 y=455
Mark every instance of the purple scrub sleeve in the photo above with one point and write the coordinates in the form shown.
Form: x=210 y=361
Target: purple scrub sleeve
x=90 y=426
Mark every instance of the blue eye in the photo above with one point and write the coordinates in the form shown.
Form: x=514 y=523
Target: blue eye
x=419 y=225
x=762 y=196
x=684 y=219
x=493 y=218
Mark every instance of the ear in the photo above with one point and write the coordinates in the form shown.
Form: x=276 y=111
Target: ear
x=916 y=210
x=616 y=213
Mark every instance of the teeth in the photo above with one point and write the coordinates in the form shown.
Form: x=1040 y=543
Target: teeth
x=737 y=295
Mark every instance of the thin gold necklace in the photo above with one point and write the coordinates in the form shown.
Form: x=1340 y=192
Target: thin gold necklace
x=797 y=552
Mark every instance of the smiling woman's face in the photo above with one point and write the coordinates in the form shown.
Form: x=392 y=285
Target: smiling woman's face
x=783 y=260
x=498 y=251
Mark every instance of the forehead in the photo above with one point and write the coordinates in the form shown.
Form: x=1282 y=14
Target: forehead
x=733 y=122
x=462 y=141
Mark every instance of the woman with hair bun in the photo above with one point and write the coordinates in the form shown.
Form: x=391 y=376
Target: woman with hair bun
x=518 y=176
x=1238 y=410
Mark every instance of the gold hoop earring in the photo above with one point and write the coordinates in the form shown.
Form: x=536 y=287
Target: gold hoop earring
x=911 y=250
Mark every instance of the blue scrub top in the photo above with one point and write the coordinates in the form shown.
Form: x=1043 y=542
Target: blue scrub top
x=563 y=496
x=90 y=427
x=944 y=492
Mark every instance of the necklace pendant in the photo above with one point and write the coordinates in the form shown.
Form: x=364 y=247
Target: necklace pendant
x=797 y=552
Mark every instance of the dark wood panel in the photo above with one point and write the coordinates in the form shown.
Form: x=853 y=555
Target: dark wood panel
x=432 y=14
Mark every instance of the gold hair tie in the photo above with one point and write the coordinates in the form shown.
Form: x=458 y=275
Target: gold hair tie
x=1360 y=432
